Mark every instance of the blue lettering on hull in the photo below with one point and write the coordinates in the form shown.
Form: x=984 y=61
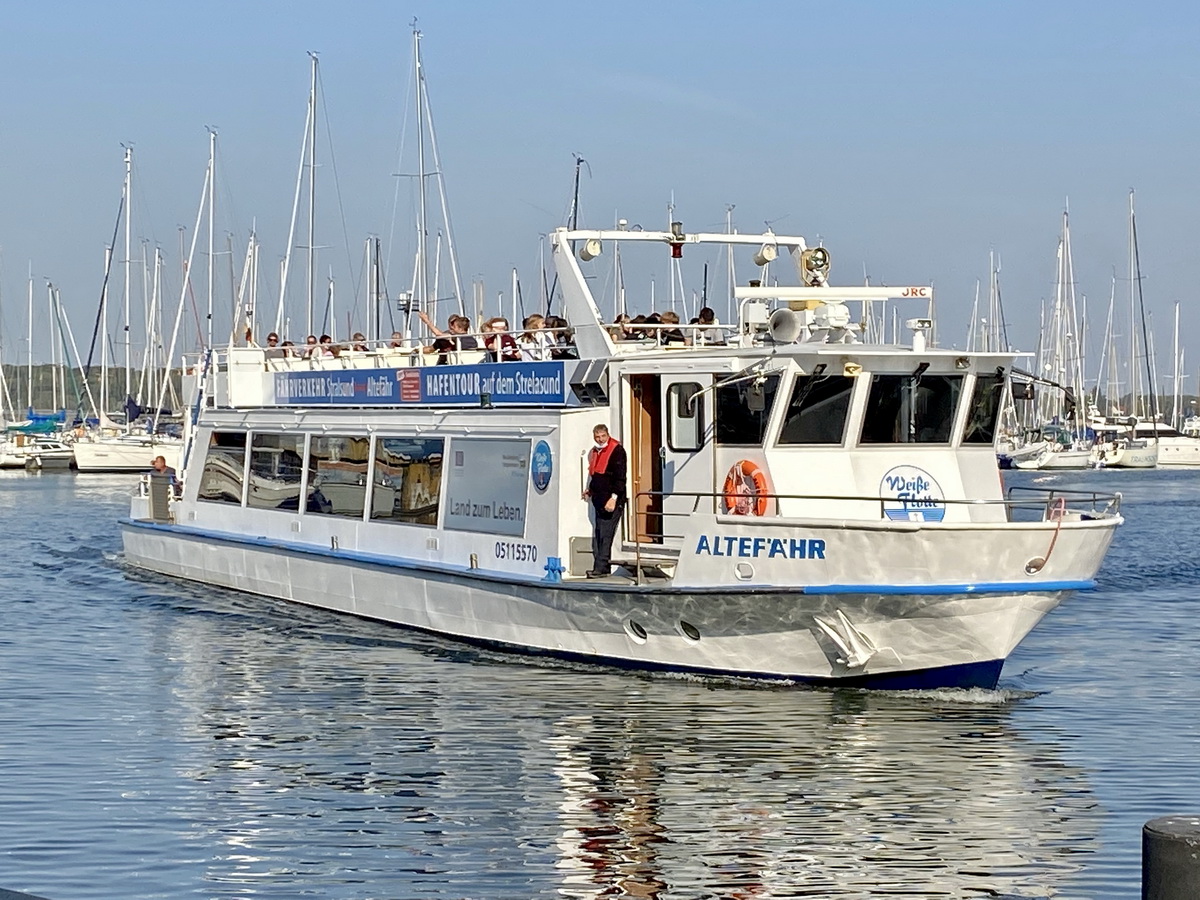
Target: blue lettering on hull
x=760 y=547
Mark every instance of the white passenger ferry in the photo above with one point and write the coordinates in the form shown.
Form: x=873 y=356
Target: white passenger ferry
x=803 y=505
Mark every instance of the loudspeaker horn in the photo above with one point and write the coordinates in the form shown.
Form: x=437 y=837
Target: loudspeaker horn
x=784 y=326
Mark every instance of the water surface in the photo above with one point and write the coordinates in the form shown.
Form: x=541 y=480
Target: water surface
x=166 y=740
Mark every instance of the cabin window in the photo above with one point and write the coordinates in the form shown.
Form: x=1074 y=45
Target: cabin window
x=407 y=480
x=337 y=475
x=817 y=412
x=911 y=409
x=221 y=480
x=985 y=409
x=276 y=469
x=743 y=410
x=685 y=417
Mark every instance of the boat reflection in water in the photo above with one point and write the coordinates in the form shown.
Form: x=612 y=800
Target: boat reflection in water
x=431 y=769
x=836 y=795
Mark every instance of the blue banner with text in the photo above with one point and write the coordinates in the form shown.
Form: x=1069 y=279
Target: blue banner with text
x=501 y=384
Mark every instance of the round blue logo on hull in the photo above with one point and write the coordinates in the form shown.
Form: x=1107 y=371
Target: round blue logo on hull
x=541 y=467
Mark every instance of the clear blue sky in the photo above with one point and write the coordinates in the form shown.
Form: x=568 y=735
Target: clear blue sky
x=912 y=138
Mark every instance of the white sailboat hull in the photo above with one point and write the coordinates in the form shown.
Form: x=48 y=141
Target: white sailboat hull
x=1051 y=458
x=124 y=454
x=1138 y=455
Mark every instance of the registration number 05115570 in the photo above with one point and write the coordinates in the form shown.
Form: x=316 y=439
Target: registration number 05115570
x=516 y=552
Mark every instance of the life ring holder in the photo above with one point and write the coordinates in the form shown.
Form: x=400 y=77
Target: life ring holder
x=746 y=490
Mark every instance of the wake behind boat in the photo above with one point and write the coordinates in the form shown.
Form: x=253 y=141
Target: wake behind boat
x=802 y=505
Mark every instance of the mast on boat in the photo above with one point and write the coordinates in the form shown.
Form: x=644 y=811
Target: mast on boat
x=127 y=192
x=1135 y=284
x=311 y=275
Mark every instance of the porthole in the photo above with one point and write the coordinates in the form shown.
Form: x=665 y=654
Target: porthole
x=689 y=631
x=635 y=630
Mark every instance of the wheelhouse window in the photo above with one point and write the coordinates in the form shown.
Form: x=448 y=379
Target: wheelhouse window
x=337 y=475
x=817 y=411
x=685 y=416
x=407 y=480
x=224 y=466
x=986 y=401
x=743 y=410
x=276 y=470
x=911 y=409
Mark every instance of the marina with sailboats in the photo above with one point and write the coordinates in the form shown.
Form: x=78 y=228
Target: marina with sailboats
x=675 y=524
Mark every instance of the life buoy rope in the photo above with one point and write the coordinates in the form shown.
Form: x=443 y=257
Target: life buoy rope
x=745 y=492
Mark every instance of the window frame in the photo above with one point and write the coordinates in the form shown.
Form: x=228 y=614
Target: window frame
x=676 y=404
x=951 y=421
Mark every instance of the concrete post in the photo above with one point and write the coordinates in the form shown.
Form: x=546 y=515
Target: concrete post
x=1171 y=858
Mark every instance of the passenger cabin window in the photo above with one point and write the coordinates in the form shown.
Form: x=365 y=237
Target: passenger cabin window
x=743 y=410
x=985 y=409
x=221 y=480
x=685 y=416
x=276 y=470
x=408 y=480
x=337 y=475
x=911 y=409
x=817 y=412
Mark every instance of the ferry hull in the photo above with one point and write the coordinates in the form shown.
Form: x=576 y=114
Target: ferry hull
x=916 y=639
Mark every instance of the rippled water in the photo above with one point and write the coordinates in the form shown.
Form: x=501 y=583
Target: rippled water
x=165 y=740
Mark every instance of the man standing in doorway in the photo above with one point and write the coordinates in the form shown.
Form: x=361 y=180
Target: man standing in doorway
x=607 y=468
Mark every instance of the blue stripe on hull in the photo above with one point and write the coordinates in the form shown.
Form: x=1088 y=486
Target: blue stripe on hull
x=375 y=559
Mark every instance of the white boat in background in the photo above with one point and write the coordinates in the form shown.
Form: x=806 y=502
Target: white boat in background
x=125 y=453
x=1060 y=368
x=1118 y=443
x=1056 y=456
x=47 y=453
x=16 y=449
x=1174 y=448
x=803 y=506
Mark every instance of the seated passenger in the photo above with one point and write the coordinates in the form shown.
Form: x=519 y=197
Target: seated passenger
x=327 y=347
x=397 y=341
x=562 y=345
x=672 y=333
x=453 y=340
x=359 y=342
x=708 y=333
x=273 y=350
x=311 y=347
x=619 y=330
x=501 y=345
x=534 y=342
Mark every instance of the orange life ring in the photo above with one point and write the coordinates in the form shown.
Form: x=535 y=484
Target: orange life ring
x=746 y=490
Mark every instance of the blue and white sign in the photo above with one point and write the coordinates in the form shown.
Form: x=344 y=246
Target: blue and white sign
x=488 y=485
x=912 y=495
x=541 y=466
x=504 y=384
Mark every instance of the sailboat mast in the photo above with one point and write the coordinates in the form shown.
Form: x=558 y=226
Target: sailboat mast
x=312 y=189
x=29 y=346
x=127 y=190
x=1141 y=300
x=212 y=178
x=422 y=273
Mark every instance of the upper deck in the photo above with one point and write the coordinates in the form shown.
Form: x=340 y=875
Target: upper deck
x=810 y=323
